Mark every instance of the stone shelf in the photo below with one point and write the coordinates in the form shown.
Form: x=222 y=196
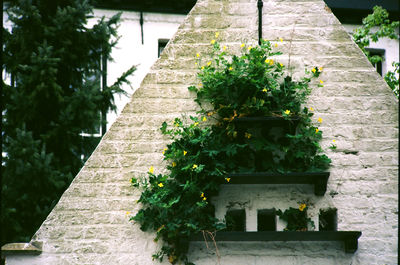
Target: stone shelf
x=34 y=248
x=349 y=238
x=318 y=179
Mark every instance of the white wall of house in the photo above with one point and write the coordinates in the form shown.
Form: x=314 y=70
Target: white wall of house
x=130 y=50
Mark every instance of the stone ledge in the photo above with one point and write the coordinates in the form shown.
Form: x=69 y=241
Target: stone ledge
x=34 y=248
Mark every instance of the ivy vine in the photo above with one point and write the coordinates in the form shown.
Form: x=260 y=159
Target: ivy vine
x=205 y=148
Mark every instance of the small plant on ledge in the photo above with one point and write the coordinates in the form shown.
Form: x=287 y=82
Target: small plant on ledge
x=296 y=218
x=204 y=149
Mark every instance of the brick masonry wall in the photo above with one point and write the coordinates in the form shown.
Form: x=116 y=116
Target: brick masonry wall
x=89 y=225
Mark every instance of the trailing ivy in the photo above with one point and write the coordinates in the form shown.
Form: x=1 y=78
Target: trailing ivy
x=176 y=205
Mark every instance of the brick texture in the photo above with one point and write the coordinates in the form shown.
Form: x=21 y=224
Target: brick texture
x=89 y=225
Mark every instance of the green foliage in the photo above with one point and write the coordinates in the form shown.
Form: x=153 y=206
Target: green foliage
x=202 y=153
x=374 y=27
x=54 y=61
x=296 y=218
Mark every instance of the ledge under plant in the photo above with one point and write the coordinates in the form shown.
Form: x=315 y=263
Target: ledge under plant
x=207 y=148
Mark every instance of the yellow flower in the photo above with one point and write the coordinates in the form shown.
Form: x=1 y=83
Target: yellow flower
x=128 y=213
x=334 y=141
x=265 y=90
x=216 y=34
x=247 y=135
x=212 y=41
x=202 y=195
x=202 y=68
x=302 y=207
x=160 y=185
x=228 y=179
x=287 y=112
x=173 y=164
x=200 y=84
x=184 y=152
x=249 y=48
x=242 y=45
x=210 y=113
x=313 y=70
x=194 y=166
x=311 y=109
x=196 y=123
x=271 y=62
x=197 y=55
x=204 y=198
x=165 y=149
x=204 y=119
x=316 y=130
x=224 y=48
x=208 y=63
x=320 y=120
x=321 y=82
x=151 y=170
x=320 y=69
x=276 y=45
x=267 y=60
x=230 y=68
x=281 y=64
x=195 y=63
x=280 y=39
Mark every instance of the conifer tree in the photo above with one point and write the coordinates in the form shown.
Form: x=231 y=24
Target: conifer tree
x=55 y=63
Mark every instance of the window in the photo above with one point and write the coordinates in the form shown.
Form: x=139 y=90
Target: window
x=380 y=53
x=266 y=220
x=328 y=220
x=161 y=45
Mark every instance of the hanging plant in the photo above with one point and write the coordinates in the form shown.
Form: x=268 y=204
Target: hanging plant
x=204 y=149
x=296 y=218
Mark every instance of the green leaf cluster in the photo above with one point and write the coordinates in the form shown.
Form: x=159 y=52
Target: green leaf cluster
x=296 y=218
x=205 y=148
x=54 y=64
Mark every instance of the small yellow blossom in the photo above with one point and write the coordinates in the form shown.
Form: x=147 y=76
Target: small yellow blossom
x=160 y=185
x=228 y=179
x=151 y=170
x=196 y=123
x=224 y=48
x=321 y=82
x=320 y=69
x=280 y=39
x=204 y=198
x=204 y=119
x=249 y=48
x=265 y=90
x=217 y=34
x=276 y=45
x=287 y=112
x=242 y=45
x=184 y=152
x=165 y=149
x=302 y=207
x=208 y=63
x=267 y=60
x=334 y=141
x=281 y=64
x=197 y=55
x=247 y=135
x=311 y=109
x=316 y=130
x=194 y=166
x=173 y=164
x=230 y=68
x=202 y=195
x=128 y=213
x=202 y=68
x=210 y=113
x=212 y=41
x=200 y=84
x=320 y=120
x=313 y=70
x=271 y=62
x=195 y=63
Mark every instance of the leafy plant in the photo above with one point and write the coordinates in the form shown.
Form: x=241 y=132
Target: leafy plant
x=296 y=218
x=204 y=149
x=374 y=27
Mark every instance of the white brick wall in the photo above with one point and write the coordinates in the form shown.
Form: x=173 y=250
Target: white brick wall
x=89 y=225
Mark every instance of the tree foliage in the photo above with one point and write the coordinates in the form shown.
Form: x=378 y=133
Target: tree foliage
x=374 y=27
x=54 y=61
